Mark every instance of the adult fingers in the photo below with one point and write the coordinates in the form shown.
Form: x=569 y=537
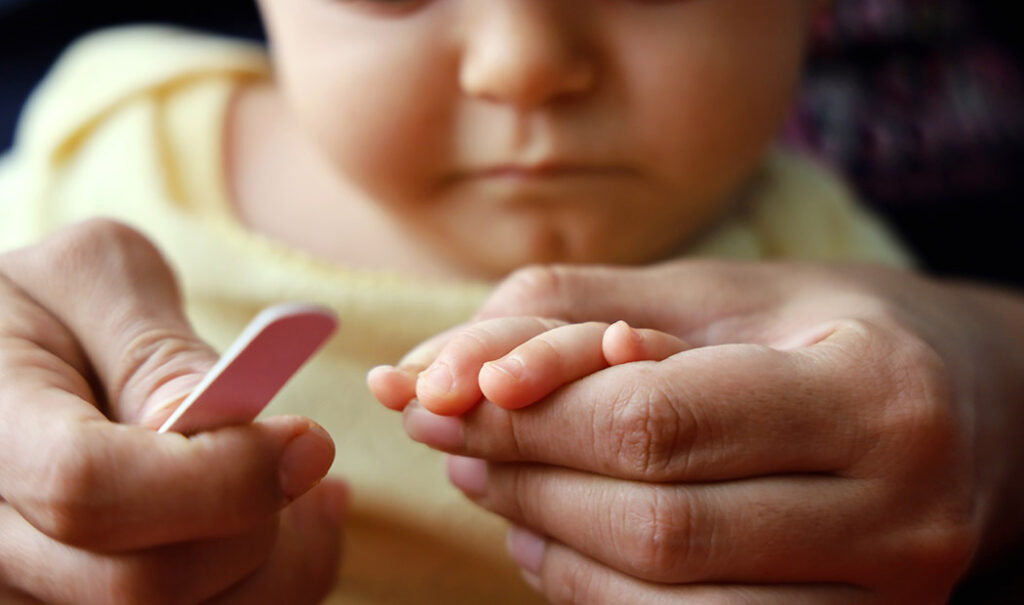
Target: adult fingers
x=190 y=572
x=705 y=302
x=303 y=566
x=109 y=288
x=566 y=577
x=180 y=573
x=114 y=487
x=686 y=298
x=771 y=529
x=450 y=384
x=708 y=414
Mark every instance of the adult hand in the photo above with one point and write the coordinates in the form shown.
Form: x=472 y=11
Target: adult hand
x=836 y=435
x=99 y=508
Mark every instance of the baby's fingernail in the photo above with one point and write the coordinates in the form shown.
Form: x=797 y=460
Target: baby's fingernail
x=428 y=428
x=527 y=549
x=512 y=366
x=468 y=474
x=436 y=380
x=634 y=335
x=305 y=461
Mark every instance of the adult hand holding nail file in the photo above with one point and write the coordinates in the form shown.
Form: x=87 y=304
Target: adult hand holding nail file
x=254 y=368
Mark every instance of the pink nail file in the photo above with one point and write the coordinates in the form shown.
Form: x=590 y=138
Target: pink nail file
x=254 y=368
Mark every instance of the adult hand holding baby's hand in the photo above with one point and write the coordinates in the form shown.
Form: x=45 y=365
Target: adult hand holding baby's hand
x=99 y=508
x=836 y=435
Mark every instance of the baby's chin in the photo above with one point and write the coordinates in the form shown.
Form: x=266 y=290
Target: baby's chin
x=490 y=259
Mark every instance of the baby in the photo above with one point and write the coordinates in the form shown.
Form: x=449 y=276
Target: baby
x=392 y=160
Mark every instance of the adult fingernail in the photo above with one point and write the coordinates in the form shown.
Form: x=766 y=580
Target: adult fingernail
x=468 y=474
x=527 y=550
x=428 y=428
x=305 y=461
x=532 y=579
x=436 y=380
x=334 y=502
x=166 y=398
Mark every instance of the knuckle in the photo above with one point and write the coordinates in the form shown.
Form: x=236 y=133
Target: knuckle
x=935 y=558
x=153 y=354
x=919 y=414
x=951 y=548
x=94 y=238
x=119 y=250
x=647 y=433
x=535 y=289
x=70 y=500
x=571 y=585
x=660 y=535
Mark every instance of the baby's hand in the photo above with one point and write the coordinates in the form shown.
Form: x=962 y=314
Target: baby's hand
x=512 y=362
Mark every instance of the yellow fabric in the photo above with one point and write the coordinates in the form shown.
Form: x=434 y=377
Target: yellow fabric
x=130 y=125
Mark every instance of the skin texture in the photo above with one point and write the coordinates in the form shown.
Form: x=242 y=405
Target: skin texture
x=96 y=506
x=488 y=135
x=828 y=435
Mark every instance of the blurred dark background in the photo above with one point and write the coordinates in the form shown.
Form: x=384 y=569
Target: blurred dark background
x=33 y=33
x=920 y=103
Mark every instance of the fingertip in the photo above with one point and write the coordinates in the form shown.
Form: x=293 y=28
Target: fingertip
x=305 y=460
x=437 y=431
x=621 y=343
x=394 y=387
x=334 y=499
x=438 y=391
x=501 y=382
x=527 y=549
x=467 y=474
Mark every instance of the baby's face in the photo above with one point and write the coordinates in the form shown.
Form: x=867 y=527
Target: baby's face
x=515 y=131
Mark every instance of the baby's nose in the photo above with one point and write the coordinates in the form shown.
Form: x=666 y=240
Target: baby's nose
x=525 y=53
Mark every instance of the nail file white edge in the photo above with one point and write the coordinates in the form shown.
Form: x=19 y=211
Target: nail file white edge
x=266 y=318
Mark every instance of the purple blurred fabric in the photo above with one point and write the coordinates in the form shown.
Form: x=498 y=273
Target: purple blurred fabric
x=912 y=100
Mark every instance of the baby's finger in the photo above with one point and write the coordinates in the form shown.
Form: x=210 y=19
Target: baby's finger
x=623 y=343
x=708 y=414
x=450 y=385
x=304 y=563
x=565 y=576
x=547 y=361
x=395 y=386
x=181 y=573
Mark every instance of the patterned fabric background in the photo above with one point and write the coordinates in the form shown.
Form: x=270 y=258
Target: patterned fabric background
x=910 y=100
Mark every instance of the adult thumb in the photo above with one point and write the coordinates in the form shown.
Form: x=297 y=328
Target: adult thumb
x=117 y=296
